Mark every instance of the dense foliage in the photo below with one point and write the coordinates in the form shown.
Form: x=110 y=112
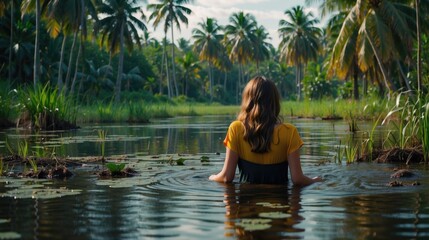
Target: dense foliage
x=92 y=50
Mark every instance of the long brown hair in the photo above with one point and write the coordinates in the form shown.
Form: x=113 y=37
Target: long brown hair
x=260 y=108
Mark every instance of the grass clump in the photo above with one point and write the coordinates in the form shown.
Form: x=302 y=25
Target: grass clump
x=45 y=108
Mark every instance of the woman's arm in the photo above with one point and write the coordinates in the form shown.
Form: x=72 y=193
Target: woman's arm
x=228 y=171
x=298 y=177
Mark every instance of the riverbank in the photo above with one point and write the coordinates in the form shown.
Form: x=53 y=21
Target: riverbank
x=142 y=112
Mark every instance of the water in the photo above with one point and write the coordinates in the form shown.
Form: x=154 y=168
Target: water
x=178 y=202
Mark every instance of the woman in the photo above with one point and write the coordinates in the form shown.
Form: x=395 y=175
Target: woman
x=259 y=143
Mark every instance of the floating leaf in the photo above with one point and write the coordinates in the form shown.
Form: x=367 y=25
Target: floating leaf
x=274 y=215
x=10 y=235
x=272 y=205
x=254 y=224
x=205 y=159
x=41 y=193
x=4 y=220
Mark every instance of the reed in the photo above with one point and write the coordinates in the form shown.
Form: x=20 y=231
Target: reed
x=351 y=152
x=3 y=167
x=102 y=136
x=405 y=122
x=424 y=130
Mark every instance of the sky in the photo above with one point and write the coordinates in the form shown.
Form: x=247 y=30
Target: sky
x=267 y=13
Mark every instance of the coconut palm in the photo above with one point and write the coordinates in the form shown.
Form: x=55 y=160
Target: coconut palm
x=190 y=66
x=173 y=13
x=299 y=41
x=207 y=42
x=118 y=28
x=261 y=48
x=386 y=29
x=68 y=17
x=37 y=5
x=239 y=38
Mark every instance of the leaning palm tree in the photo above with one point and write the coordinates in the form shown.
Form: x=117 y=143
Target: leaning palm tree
x=173 y=13
x=119 y=27
x=299 y=41
x=208 y=44
x=239 y=38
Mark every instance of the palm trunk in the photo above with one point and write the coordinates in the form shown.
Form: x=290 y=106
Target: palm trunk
x=60 y=66
x=69 y=68
x=12 y=9
x=162 y=68
x=298 y=81
x=419 y=48
x=211 y=81
x=404 y=77
x=36 y=63
x=389 y=85
x=356 y=82
x=172 y=60
x=120 y=67
x=169 y=90
x=76 y=67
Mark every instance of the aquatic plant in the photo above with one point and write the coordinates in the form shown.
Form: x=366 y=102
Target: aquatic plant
x=351 y=152
x=352 y=121
x=406 y=124
x=338 y=157
x=46 y=108
x=3 y=167
x=424 y=131
x=115 y=168
x=102 y=136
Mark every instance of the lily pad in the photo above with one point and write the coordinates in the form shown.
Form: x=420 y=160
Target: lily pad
x=274 y=215
x=4 y=221
x=272 y=205
x=10 y=235
x=124 y=182
x=47 y=193
x=254 y=224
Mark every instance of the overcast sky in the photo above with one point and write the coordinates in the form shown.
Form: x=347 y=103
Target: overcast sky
x=267 y=13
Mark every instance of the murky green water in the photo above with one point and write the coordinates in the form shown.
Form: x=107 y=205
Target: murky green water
x=178 y=202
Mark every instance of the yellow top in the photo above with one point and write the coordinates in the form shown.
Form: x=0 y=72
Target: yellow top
x=285 y=140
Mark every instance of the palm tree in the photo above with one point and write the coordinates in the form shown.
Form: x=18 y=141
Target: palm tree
x=68 y=17
x=208 y=44
x=261 y=48
x=239 y=38
x=26 y=6
x=118 y=28
x=299 y=41
x=189 y=65
x=172 y=12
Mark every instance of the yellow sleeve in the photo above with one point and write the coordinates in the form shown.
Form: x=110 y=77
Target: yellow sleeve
x=295 y=141
x=231 y=138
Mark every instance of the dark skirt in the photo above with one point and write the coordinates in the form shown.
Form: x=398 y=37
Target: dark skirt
x=263 y=173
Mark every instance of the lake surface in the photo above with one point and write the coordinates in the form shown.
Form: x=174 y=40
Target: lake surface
x=170 y=201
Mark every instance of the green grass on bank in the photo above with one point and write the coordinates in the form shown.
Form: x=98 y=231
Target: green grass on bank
x=144 y=112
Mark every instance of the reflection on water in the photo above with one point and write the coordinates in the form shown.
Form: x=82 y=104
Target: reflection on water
x=178 y=202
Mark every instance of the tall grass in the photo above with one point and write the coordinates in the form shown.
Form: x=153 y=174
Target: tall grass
x=3 y=167
x=102 y=136
x=424 y=129
x=406 y=121
x=47 y=108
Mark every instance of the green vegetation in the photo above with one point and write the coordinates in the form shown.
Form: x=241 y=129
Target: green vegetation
x=115 y=168
x=102 y=136
x=45 y=108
